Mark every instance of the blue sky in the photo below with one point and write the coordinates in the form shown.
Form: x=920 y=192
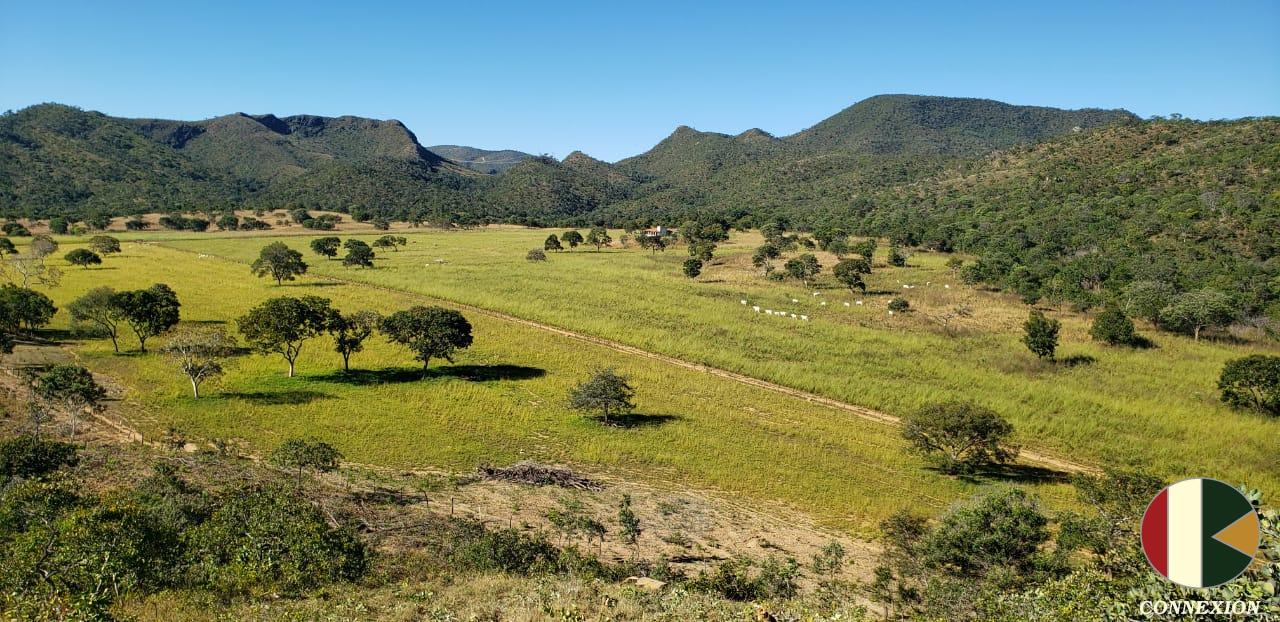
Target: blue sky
x=613 y=79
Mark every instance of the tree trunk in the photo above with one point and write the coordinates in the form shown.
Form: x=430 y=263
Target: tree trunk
x=114 y=343
x=195 y=388
x=290 y=368
x=346 y=364
x=1197 y=333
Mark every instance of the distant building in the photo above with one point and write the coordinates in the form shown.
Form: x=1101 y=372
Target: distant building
x=659 y=231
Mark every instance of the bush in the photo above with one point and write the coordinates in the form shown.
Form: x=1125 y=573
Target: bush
x=1041 y=335
x=264 y=540
x=1003 y=528
x=1113 y=327
x=734 y=579
x=536 y=255
x=899 y=305
x=27 y=456
x=1252 y=382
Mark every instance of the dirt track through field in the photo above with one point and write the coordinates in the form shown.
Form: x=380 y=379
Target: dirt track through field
x=1042 y=459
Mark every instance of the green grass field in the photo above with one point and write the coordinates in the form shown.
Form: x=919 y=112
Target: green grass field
x=504 y=400
x=1157 y=407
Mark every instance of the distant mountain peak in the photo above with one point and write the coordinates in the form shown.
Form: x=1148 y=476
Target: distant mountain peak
x=756 y=134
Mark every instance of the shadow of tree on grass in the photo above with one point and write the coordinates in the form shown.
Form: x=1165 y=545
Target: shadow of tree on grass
x=394 y=375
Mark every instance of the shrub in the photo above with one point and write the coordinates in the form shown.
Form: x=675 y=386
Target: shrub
x=262 y=540
x=692 y=268
x=1252 y=382
x=1003 y=528
x=1041 y=335
x=899 y=305
x=28 y=456
x=1113 y=327
x=536 y=255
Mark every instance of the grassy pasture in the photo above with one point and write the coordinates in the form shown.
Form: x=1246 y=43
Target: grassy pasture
x=504 y=400
x=1156 y=407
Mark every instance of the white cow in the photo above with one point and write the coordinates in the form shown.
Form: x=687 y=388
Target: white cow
x=768 y=311
x=805 y=318
x=859 y=302
x=756 y=309
x=743 y=301
x=846 y=304
x=817 y=293
x=890 y=312
x=794 y=300
x=793 y=316
x=823 y=303
x=947 y=286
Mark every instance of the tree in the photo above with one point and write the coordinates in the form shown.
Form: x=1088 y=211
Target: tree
x=282 y=325
x=388 y=241
x=849 y=273
x=866 y=248
x=198 y=351
x=536 y=254
x=1003 y=528
x=58 y=225
x=72 y=387
x=803 y=268
x=896 y=257
x=429 y=332
x=692 y=268
x=22 y=308
x=605 y=392
x=599 y=237
x=28 y=456
x=148 y=312
x=1146 y=299
x=959 y=436
x=838 y=247
x=1195 y=311
x=326 y=246
x=7 y=247
x=30 y=268
x=1041 y=334
x=1113 y=327
x=1252 y=382
x=104 y=244
x=96 y=307
x=349 y=332
x=899 y=305
x=299 y=454
x=572 y=238
x=829 y=561
x=42 y=246
x=279 y=262
x=229 y=222
x=629 y=523
x=358 y=254
x=83 y=257
x=764 y=256
x=552 y=243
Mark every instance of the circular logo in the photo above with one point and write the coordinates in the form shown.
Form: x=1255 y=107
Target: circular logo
x=1200 y=533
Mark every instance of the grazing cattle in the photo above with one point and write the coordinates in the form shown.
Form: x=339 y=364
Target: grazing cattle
x=793 y=316
x=743 y=301
x=805 y=318
x=823 y=303
x=817 y=293
x=859 y=302
x=756 y=309
x=947 y=286
x=794 y=300
x=890 y=312
x=846 y=304
x=768 y=311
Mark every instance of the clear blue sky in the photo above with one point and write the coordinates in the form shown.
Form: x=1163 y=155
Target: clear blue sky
x=612 y=80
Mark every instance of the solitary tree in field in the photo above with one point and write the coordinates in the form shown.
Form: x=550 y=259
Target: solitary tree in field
x=96 y=307
x=764 y=256
x=896 y=257
x=1252 y=382
x=42 y=246
x=326 y=246
x=605 y=393
x=692 y=268
x=849 y=273
x=429 y=332
x=83 y=257
x=1041 y=335
x=72 y=387
x=104 y=245
x=299 y=454
x=1195 y=311
x=358 y=254
x=281 y=325
x=7 y=247
x=536 y=254
x=572 y=238
x=279 y=262
x=24 y=309
x=960 y=436
x=552 y=243
x=599 y=237
x=198 y=352
x=350 y=331
x=386 y=241
x=148 y=312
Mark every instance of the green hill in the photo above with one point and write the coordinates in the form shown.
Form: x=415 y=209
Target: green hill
x=916 y=124
x=481 y=160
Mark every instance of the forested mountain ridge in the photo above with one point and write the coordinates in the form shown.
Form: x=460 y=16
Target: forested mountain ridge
x=481 y=160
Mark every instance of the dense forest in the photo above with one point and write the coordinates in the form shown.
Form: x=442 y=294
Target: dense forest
x=1068 y=205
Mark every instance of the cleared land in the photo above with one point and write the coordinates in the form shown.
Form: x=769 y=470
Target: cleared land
x=1156 y=407
x=504 y=400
